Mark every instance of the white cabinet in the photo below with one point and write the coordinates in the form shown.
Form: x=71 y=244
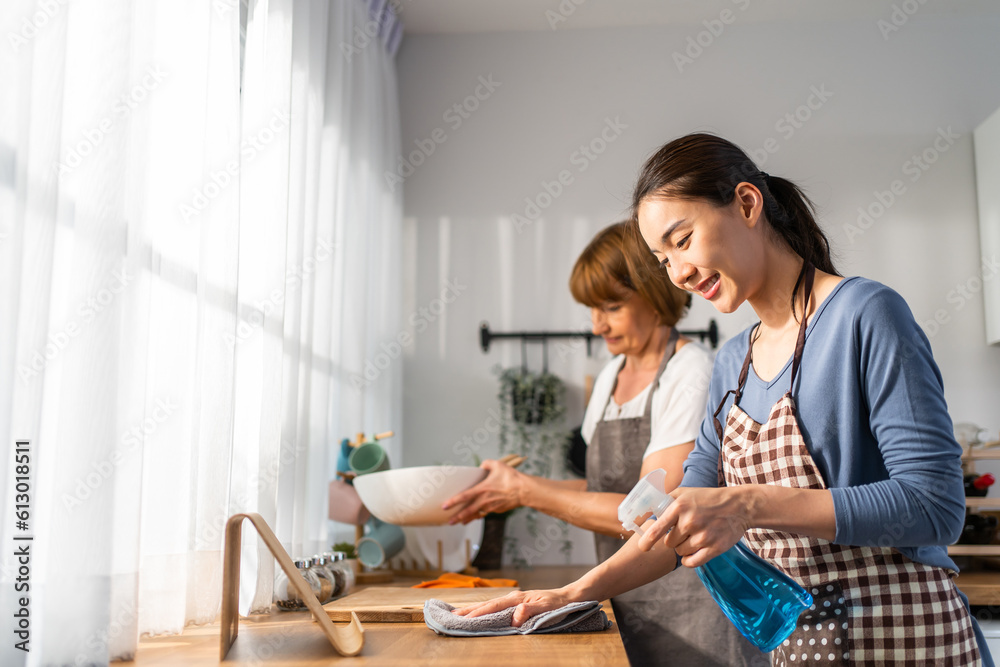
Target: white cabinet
x=986 y=140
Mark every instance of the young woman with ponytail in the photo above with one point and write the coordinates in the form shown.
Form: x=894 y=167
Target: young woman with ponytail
x=827 y=446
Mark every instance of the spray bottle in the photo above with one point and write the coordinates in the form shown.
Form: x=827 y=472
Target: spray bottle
x=762 y=601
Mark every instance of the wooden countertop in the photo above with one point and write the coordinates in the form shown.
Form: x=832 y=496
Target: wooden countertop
x=291 y=638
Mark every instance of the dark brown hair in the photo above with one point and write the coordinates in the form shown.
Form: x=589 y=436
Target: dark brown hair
x=707 y=167
x=616 y=263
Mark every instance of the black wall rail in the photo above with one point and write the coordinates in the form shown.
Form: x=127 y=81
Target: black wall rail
x=711 y=334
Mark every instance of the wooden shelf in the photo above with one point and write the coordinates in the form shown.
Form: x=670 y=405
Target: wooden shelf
x=991 y=454
x=981 y=587
x=975 y=550
x=983 y=503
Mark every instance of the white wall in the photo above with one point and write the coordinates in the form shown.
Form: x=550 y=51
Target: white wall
x=889 y=99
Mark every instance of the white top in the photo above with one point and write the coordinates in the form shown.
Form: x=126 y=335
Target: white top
x=678 y=403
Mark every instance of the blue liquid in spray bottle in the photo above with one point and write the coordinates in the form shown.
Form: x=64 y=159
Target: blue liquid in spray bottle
x=762 y=601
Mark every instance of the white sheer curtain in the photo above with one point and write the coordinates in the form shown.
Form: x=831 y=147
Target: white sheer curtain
x=190 y=274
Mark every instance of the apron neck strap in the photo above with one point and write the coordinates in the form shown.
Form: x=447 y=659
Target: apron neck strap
x=668 y=352
x=806 y=277
x=738 y=392
x=808 y=274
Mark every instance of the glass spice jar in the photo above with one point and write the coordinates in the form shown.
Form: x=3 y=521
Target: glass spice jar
x=335 y=576
x=342 y=572
x=286 y=596
x=327 y=583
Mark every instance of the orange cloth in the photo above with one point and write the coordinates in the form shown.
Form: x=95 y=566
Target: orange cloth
x=455 y=580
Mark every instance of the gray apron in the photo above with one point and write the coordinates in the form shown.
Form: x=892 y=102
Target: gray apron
x=673 y=620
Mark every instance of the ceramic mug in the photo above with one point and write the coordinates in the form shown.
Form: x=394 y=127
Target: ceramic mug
x=383 y=541
x=345 y=504
x=369 y=457
x=344 y=456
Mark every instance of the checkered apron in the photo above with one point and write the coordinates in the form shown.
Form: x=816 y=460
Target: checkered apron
x=872 y=605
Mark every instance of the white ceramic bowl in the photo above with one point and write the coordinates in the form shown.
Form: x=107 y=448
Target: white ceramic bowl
x=413 y=496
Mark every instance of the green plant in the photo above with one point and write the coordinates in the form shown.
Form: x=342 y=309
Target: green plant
x=531 y=398
x=532 y=411
x=347 y=548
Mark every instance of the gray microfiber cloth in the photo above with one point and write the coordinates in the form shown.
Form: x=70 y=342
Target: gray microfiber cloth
x=574 y=617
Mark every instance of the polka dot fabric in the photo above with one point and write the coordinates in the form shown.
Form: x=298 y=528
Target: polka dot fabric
x=872 y=606
x=822 y=633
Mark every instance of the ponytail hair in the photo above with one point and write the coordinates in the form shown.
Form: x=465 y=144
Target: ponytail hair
x=707 y=167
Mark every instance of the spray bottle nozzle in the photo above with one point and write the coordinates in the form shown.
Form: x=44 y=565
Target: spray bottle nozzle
x=646 y=500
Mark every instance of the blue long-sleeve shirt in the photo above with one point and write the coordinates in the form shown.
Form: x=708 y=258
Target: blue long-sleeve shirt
x=871 y=408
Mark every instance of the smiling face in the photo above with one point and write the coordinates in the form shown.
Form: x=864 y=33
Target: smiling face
x=627 y=326
x=711 y=251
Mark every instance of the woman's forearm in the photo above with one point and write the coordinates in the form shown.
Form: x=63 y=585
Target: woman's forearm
x=570 y=501
x=702 y=523
x=598 y=511
x=798 y=511
x=628 y=568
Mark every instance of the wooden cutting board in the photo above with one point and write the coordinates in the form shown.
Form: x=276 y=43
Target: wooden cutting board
x=403 y=605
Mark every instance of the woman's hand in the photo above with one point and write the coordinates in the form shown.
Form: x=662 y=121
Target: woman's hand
x=499 y=492
x=528 y=603
x=701 y=523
